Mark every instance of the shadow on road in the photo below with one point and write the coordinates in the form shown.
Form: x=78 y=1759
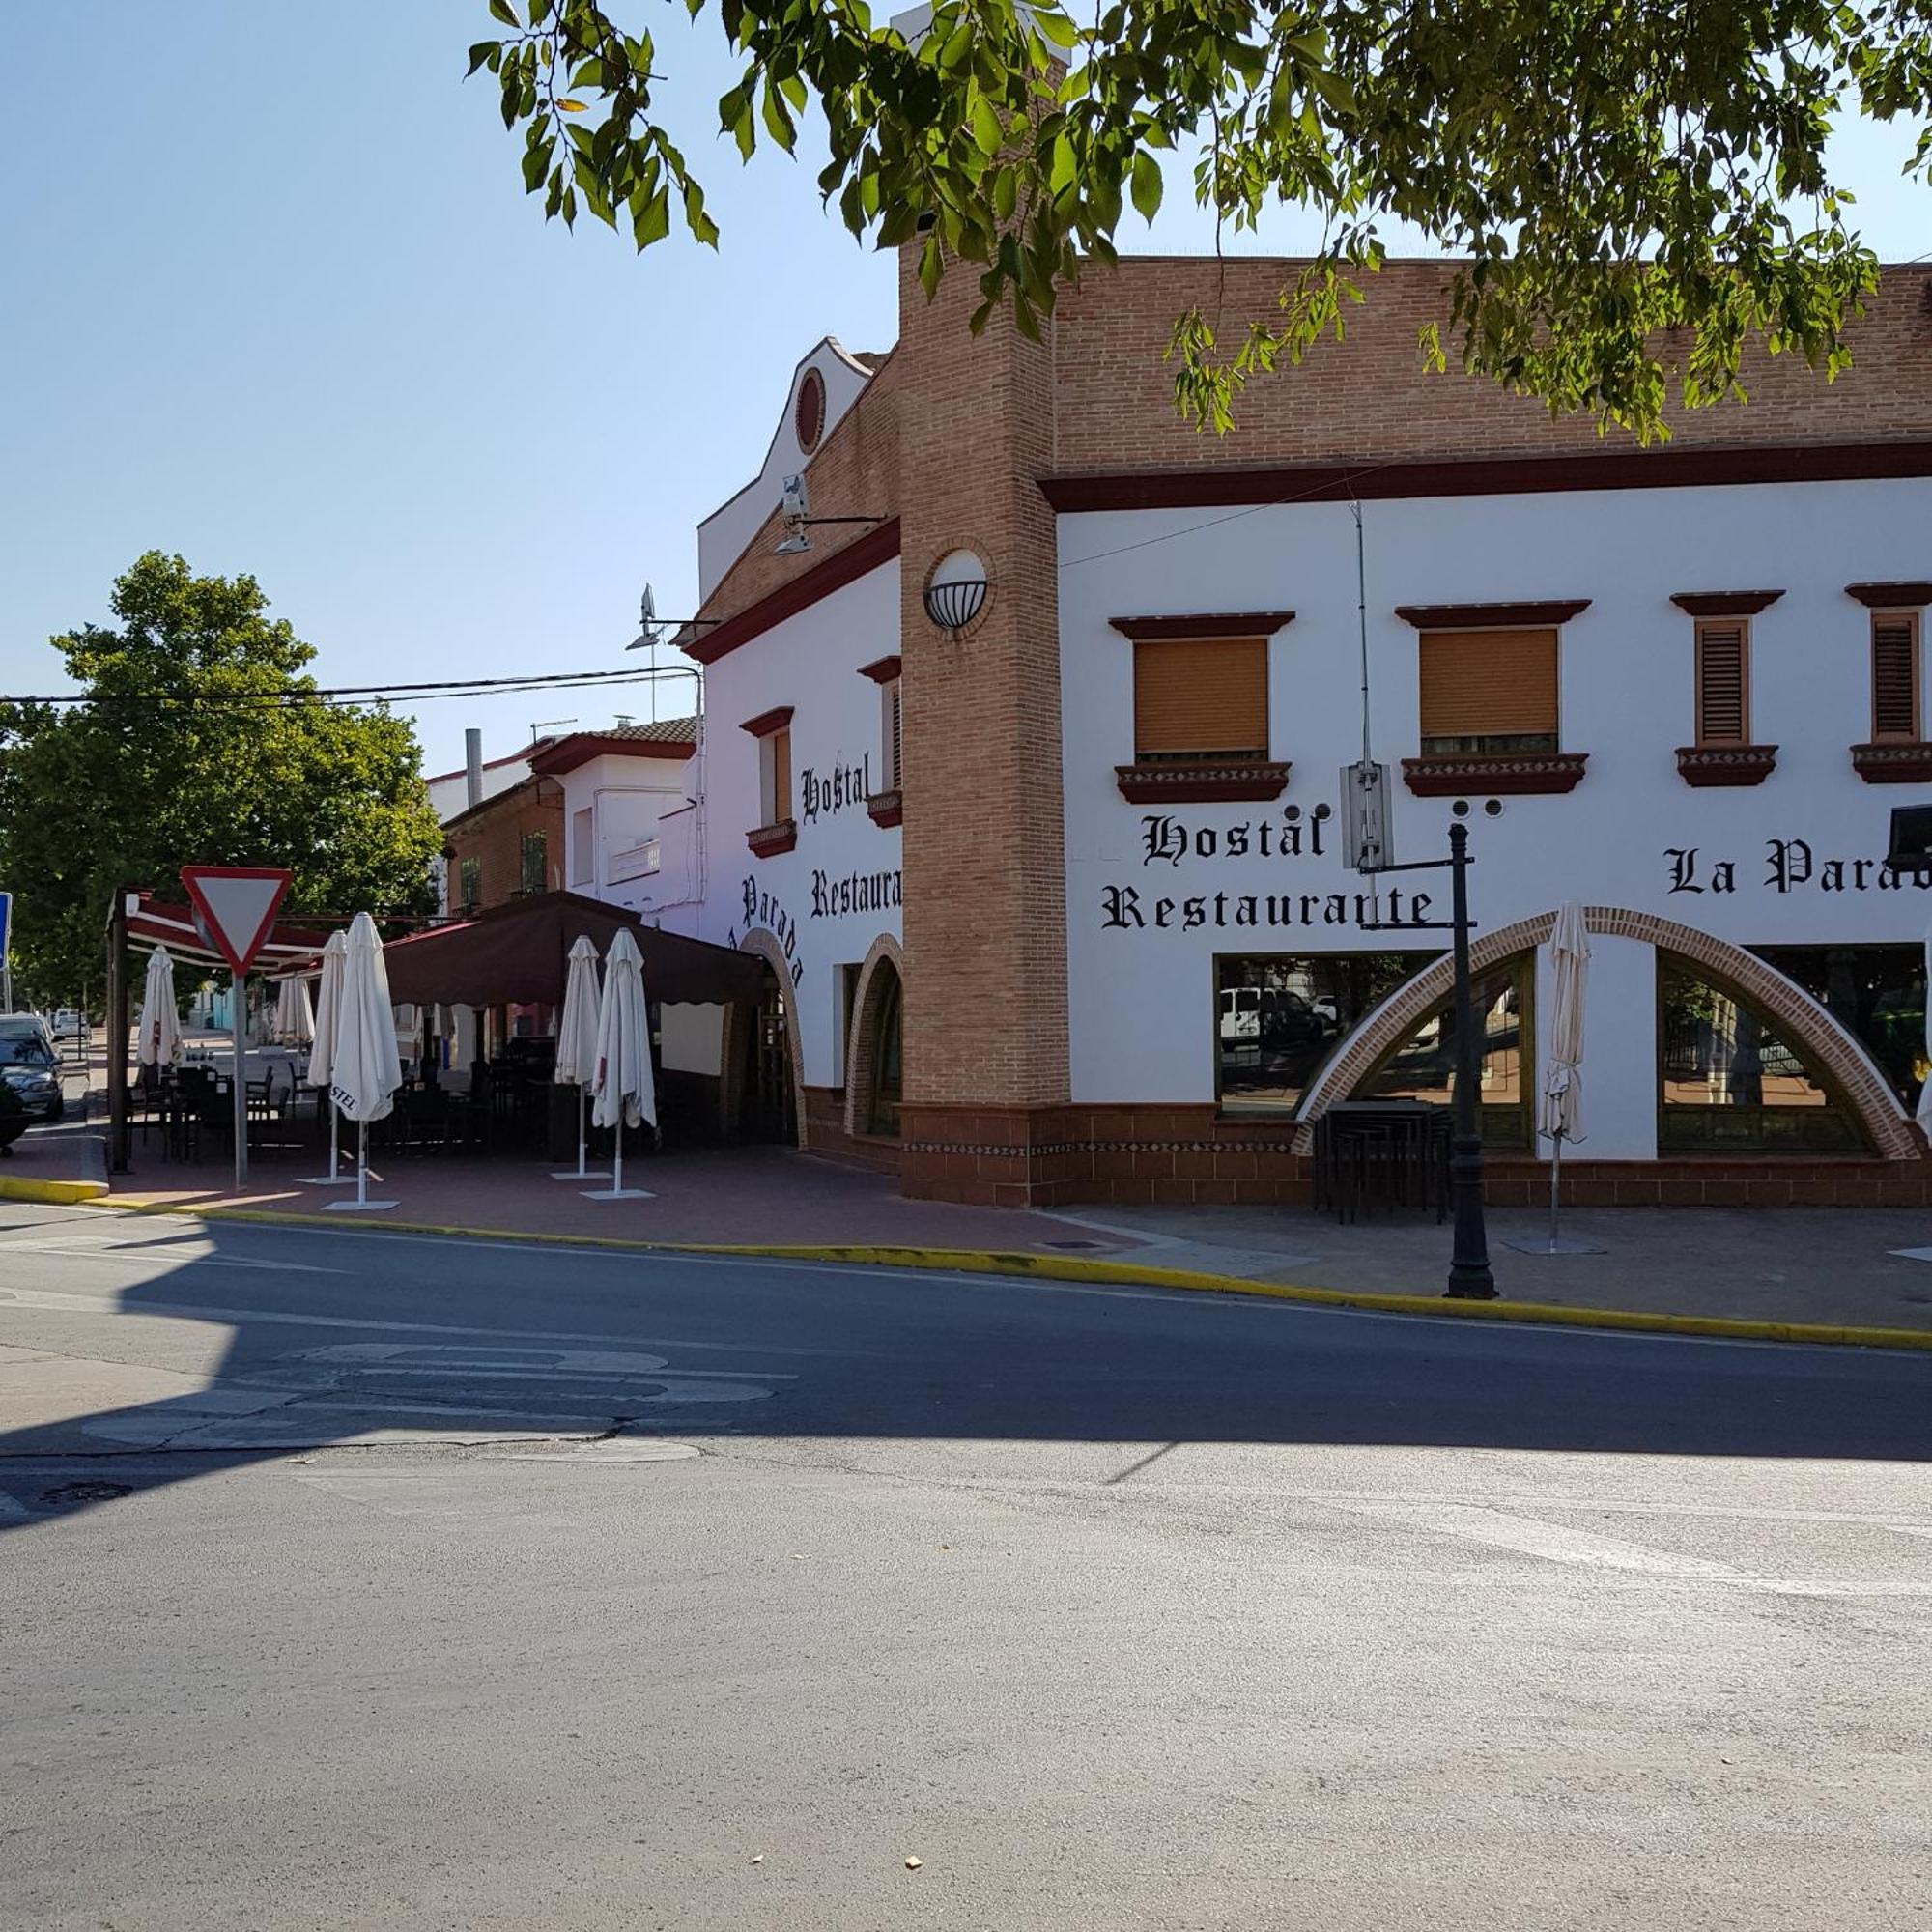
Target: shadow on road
x=331 y=1338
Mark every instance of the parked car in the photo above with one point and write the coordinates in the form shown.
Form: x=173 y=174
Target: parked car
x=27 y=1026
x=14 y=1121
x=30 y=1070
x=69 y=1024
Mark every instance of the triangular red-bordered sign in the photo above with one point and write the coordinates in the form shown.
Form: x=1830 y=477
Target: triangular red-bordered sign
x=237 y=906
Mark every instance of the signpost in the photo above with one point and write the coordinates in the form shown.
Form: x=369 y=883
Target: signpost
x=235 y=906
x=6 y=952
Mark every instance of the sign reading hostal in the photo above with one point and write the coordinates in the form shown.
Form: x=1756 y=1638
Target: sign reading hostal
x=236 y=906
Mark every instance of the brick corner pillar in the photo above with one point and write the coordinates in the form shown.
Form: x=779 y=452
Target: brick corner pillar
x=984 y=902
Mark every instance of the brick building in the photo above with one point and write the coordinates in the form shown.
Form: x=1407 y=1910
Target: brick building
x=1052 y=896
x=508 y=846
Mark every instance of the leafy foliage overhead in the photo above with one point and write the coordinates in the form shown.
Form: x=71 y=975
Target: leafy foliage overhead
x=1610 y=168
x=204 y=745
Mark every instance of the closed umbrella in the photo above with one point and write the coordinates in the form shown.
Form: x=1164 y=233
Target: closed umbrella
x=576 y=1042
x=294 y=1020
x=624 y=1093
x=161 y=1019
x=368 y=1067
x=1560 y=1114
x=322 y=1050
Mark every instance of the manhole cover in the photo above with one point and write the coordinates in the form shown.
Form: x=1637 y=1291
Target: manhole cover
x=71 y=1495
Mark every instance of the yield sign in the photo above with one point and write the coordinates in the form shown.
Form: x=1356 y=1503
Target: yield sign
x=237 y=905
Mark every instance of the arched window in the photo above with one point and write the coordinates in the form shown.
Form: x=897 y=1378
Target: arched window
x=1423 y=1068
x=1729 y=1081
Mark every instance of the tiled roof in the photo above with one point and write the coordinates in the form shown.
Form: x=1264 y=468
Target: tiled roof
x=660 y=730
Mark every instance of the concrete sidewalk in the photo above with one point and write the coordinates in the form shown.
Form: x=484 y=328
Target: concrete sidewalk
x=1828 y=1266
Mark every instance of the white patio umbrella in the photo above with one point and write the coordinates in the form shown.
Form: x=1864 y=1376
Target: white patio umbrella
x=294 y=1018
x=1560 y=1113
x=160 y=1020
x=321 y=1051
x=576 y=1042
x=367 y=1066
x=623 y=1090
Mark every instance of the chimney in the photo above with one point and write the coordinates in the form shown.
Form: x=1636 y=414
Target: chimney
x=472 y=766
x=624 y=720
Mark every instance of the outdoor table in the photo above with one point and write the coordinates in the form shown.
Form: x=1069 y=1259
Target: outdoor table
x=1382 y=1154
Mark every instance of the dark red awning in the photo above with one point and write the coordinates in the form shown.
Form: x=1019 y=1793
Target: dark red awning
x=517 y=955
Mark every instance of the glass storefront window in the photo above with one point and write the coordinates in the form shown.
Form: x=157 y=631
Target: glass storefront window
x=1728 y=1083
x=1278 y=1017
x=1877 y=993
x=1423 y=1068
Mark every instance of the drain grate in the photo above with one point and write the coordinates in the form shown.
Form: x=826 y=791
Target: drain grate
x=1070 y=1244
x=71 y=1495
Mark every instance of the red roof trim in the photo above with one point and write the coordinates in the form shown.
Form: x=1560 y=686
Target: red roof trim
x=842 y=567
x=768 y=722
x=580 y=747
x=882 y=670
x=1488 y=476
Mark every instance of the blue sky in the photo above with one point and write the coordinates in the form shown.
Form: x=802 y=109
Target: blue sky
x=272 y=297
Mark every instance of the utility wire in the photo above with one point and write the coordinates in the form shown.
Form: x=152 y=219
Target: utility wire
x=292 y=696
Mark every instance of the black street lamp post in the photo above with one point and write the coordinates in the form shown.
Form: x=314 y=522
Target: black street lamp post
x=1470 y=1276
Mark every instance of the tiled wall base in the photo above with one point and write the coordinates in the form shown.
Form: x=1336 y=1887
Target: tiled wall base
x=1055 y=1156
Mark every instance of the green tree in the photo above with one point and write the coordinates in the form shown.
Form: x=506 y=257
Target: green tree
x=1612 y=169
x=203 y=743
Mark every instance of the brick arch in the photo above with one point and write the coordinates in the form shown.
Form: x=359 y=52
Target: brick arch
x=861 y=1040
x=768 y=949
x=1833 y=1050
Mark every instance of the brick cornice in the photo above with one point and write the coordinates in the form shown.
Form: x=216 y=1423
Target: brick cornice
x=1724 y=603
x=768 y=722
x=1202 y=487
x=1208 y=624
x=844 y=566
x=1530 y=617
x=882 y=670
x=1906 y=595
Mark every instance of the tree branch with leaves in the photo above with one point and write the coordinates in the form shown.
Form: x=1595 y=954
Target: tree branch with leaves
x=1608 y=171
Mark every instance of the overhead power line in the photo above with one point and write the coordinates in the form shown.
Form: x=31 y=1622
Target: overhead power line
x=293 y=695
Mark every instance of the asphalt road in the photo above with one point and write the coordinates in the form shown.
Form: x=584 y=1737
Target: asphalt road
x=361 y=1581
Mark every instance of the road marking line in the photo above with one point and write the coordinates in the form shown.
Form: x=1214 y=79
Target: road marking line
x=184 y=1310
x=98 y=1248
x=1555 y=1543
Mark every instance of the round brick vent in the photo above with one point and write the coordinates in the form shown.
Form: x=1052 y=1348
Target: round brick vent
x=808 y=419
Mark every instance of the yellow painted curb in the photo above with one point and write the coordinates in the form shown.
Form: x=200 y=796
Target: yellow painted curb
x=1065 y=1267
x=50 y=1193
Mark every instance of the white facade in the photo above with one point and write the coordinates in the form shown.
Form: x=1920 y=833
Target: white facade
x=723 y=536
x=829 y=898
x=632 y=834
x=1154 y=893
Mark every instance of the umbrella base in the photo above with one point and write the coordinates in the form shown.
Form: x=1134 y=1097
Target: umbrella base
x=619 y=1193
x=357 y=1206
x=589 y=1174
x=1543 y=1246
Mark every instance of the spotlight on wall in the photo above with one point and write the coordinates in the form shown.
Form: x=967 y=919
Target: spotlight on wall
x=957 y=591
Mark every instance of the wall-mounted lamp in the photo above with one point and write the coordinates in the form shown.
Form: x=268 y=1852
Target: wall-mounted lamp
x=796 y=509
x=955 y=593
